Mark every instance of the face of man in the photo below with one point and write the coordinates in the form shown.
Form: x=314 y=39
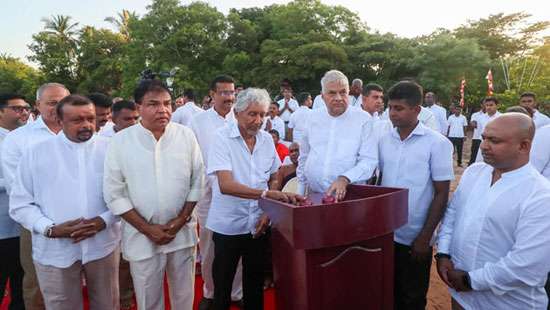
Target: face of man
x=125 y=118
x=294 y=153
x=308 y=102
x=457 y=111
x=429 y=99
x=273 y=110
x=275 y=139
x=490 y=107
x=287 y=93
x=103 y=115
x=48 y=101
x=356 y=89
x=15 y=113
x=336 y=98
x=79 y=122
x=402 y=114
x=155 y=110
x=374 y=101
x=250 y=120
x=502 y=145
x=224 y=97
x=179 y=102
x=527 y=102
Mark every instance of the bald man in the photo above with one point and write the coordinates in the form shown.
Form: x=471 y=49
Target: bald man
x=494 y=243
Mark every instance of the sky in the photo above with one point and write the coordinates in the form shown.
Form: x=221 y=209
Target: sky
x=22 y=18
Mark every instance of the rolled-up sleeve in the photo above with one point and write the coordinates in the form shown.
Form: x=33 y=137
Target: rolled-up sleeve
x=115 y=189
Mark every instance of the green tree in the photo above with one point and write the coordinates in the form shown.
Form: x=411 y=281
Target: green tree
x=18 y=77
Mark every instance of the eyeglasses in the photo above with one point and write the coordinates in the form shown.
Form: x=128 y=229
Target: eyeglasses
x=19 y=109
x=226 y=93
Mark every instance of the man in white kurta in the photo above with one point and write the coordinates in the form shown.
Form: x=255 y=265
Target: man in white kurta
x=493 y=245
x=299 y=117
x=57 y=195
x=204 y=126
x=439 y=112
x=153 y=178
x=184 y=114
x=335 y=149
x=287 y=105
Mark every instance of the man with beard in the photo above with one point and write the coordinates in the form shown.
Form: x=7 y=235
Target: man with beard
x=13 y=113
x=17 y=142
x=242 y=160
x=103 y=108
x=153 y=178
x=57 y=194
x=125 y=114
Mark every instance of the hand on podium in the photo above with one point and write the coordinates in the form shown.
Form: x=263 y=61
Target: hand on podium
x=291 y=198
x=338 y=188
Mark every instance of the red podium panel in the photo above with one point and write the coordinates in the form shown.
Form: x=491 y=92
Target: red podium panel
x=336 y=256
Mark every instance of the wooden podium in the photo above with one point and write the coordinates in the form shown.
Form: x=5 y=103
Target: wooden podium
x=336 y=256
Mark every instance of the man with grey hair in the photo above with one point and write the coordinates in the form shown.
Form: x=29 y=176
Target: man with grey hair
x=355 y=93
x=17 y=142
x=242 y=161
x=335 y=149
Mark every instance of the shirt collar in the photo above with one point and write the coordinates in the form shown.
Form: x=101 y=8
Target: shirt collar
x=236 y=133
x=419 y=130
x=149 y=133
x=4 y=130
x=228 y=116
x=517 y=172
x=40 y=124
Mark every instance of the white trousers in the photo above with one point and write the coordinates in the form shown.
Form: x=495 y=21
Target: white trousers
x=148 y=278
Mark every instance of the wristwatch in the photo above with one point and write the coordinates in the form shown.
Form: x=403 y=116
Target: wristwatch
x=467 y=280
x=49 y=230
x=442 y=255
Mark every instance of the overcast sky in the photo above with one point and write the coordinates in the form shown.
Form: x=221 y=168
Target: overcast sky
x=22 y=18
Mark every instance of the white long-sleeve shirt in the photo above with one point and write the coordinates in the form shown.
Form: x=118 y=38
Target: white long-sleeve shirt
x=297 y=122
x=499 y=234
x=415 y=163
x=17 y=142
x=155 y=178
x=57 y=181
x=205 y=126
x=440 y=114
x=336 y=146
x=8 y=227
x=540 y=151
x=185 y=114
x=540 y=119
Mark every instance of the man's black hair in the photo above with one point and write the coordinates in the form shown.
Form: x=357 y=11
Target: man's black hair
x=274 y=132
x=408 y=91
x=4 y=98
x=301 y=98
x=189 y=94
x=490 y=98
x=146 y=86
x=100 y=100
x=528 y=94
x=123 y=104
x=74 y=100
x=370 y=87
x=221 y=79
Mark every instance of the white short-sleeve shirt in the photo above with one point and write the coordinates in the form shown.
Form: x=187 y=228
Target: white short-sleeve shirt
x=297 y=123
x=293 y=106
x=456 y=125
x=414 y=163
x=230 y=215
x=476 y=117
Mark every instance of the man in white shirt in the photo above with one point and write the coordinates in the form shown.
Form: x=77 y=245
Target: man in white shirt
x=540 y=151
x=493 y=244
x=425 y=116
x=475 y=123
x=103 y=105
x=372 y=100
x=57 y=194
x=355 y=93
x=456 y=131
x=528 y=100
x=491 y=112
x=299 y=117
x=335 y=149
x=242 y=161
x=287 y=106
x=417 y=158
x=319 y=103
x=153 y=178
x=276 y=121
x=17 y=142
x=438 y=111
x=14 y=111
x=184 y=114
x=125 y=114
x=205 y=126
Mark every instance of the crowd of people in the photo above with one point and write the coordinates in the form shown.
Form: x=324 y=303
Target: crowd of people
x=123 y=194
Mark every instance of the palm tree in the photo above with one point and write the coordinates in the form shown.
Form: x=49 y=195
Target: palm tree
x=61 y=25
x=122 y=21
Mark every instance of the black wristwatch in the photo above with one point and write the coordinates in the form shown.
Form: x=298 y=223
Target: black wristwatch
x=442 y=255
x=467 y=280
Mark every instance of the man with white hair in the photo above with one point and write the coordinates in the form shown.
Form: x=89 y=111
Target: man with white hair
x=242 y=161
x=17 y=142
x=335 y=149
x=355 y=93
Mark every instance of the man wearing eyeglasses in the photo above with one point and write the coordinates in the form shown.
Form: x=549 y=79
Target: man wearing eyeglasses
x=14 y=112
x=13 y=148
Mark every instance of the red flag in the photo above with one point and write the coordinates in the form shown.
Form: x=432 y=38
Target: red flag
x=462 y=86
x=489 y=78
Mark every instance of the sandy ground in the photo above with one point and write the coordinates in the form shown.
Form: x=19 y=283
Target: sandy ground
x=438 y=295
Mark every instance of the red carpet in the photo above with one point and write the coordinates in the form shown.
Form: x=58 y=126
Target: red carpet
x=269 y=298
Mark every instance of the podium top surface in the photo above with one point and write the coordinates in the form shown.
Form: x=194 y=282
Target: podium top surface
x=366 y=212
